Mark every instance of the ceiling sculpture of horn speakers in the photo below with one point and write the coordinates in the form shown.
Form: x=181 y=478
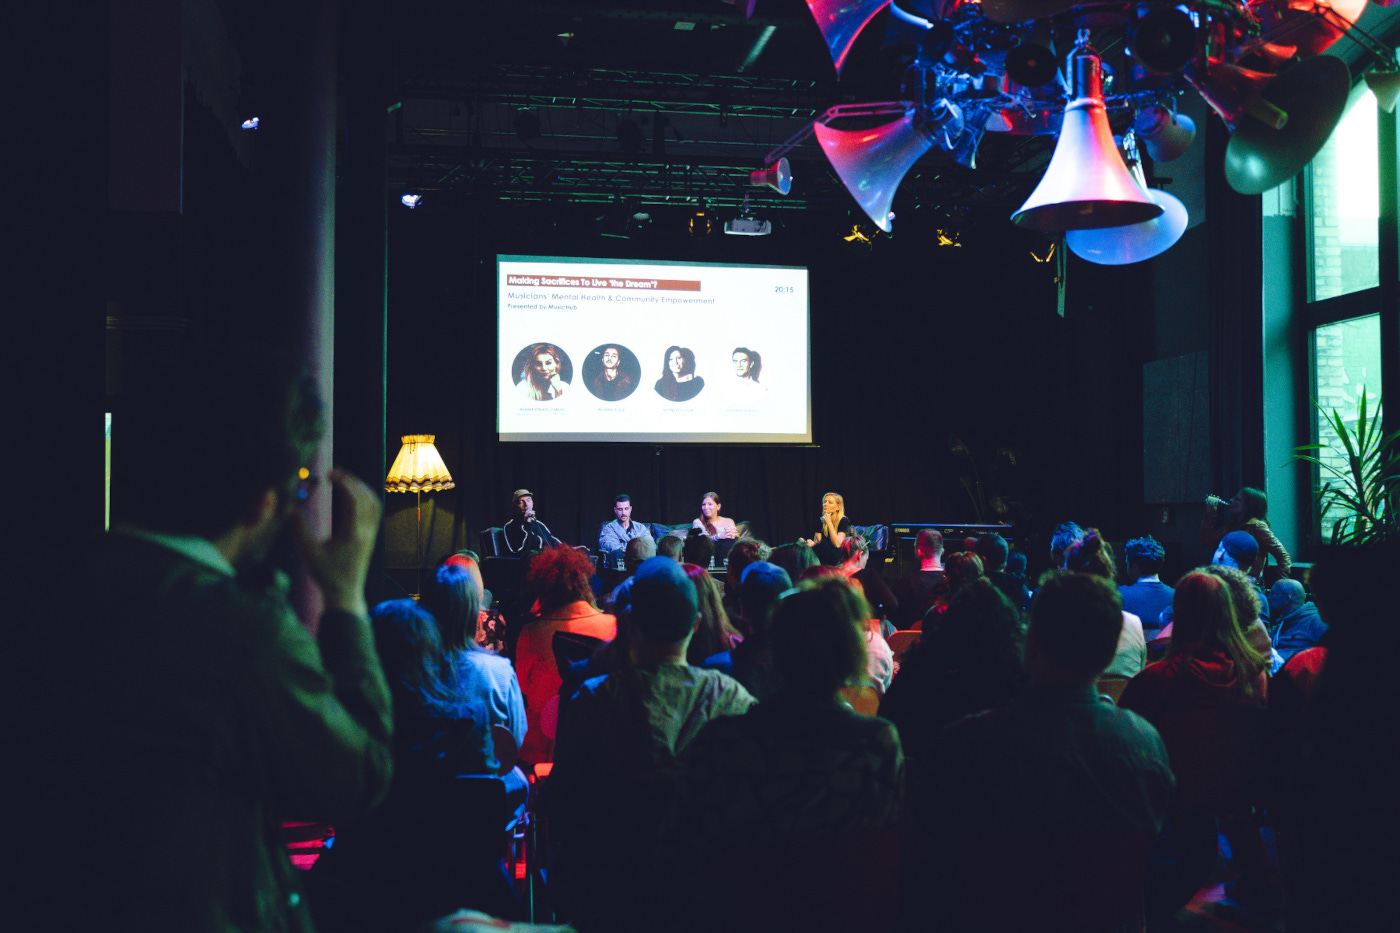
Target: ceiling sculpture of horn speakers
x=970 y=67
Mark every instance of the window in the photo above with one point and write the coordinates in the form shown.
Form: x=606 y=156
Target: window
x=1346 y=359
x=1346 y=204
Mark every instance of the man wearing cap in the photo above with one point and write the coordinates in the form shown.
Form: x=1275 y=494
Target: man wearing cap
x=615 y=756
x=524 y=532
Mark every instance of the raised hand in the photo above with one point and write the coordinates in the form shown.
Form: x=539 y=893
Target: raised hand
x=340 y=564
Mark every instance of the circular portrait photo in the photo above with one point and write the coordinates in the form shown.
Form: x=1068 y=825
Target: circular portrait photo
x=542 y=372
x=678 y=382
x=611 y=372
x=748 y=370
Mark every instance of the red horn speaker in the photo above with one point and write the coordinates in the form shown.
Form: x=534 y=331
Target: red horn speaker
x=777 y=176
x=841 y=21
x=871 y=163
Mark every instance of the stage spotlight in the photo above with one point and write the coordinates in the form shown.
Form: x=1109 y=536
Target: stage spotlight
x=411 y=200
x=701 y=224
x=251 y=123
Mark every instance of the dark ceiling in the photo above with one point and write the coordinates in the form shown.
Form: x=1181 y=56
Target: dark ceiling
x=592 y=102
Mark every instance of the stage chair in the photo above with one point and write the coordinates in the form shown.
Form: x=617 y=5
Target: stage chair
x=493 y=542
x=902 y=641
x=659 y=530
x=863 y=700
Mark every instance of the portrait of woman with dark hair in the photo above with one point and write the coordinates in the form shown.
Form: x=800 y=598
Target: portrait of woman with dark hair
x=678 y=382
x=542 y=373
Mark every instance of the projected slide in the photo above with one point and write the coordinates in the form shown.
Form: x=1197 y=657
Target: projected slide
x=651 y=352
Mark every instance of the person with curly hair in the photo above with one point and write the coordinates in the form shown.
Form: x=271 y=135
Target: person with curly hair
x=1147 y=596
x=559 y=577
x=1092 y=554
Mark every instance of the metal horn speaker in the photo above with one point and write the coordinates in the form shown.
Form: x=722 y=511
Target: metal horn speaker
x=1311 y=25
x=1386 y=86
x=1233 y=92
x=777 y=176
x=871 y=163
x=1086 y=184
x=1119 y=246
x=1164 y=133
x=1313 y=94
x=841 y=22
x=1164 y=40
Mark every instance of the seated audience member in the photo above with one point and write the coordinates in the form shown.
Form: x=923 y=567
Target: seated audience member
x=638 y=551
x=744 y=552
x=794 y=558
x=478 y=676
x=1210 y=662
x=752 y=661
x=1016 y=566
x=616 y=763
x=1210 y=668
x=1295 y=619
x=670 y=546
x=801 y=766
x=1092 y=554
x=491 y=626
x=698 y=548
x=1343 y=793
x=713 y=633
x=960 y=570
x=1065 y=535
x=1236 y=551
x=1019 y=797
x=442 y=738
x=613 y=538
x=1251 y=610
x=1148 y=596
x=914 y=592
x=968 y=659
x=559 y=578
x=855 y=558
x=994 y=551
x=524 y=532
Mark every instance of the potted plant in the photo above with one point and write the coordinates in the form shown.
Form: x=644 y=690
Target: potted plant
x=1362 y=477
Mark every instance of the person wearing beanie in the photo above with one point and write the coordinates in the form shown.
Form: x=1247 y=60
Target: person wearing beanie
x=617 y=747
x=752 y=661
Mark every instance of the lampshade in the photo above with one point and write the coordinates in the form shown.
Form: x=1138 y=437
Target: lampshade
x=418 y=467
